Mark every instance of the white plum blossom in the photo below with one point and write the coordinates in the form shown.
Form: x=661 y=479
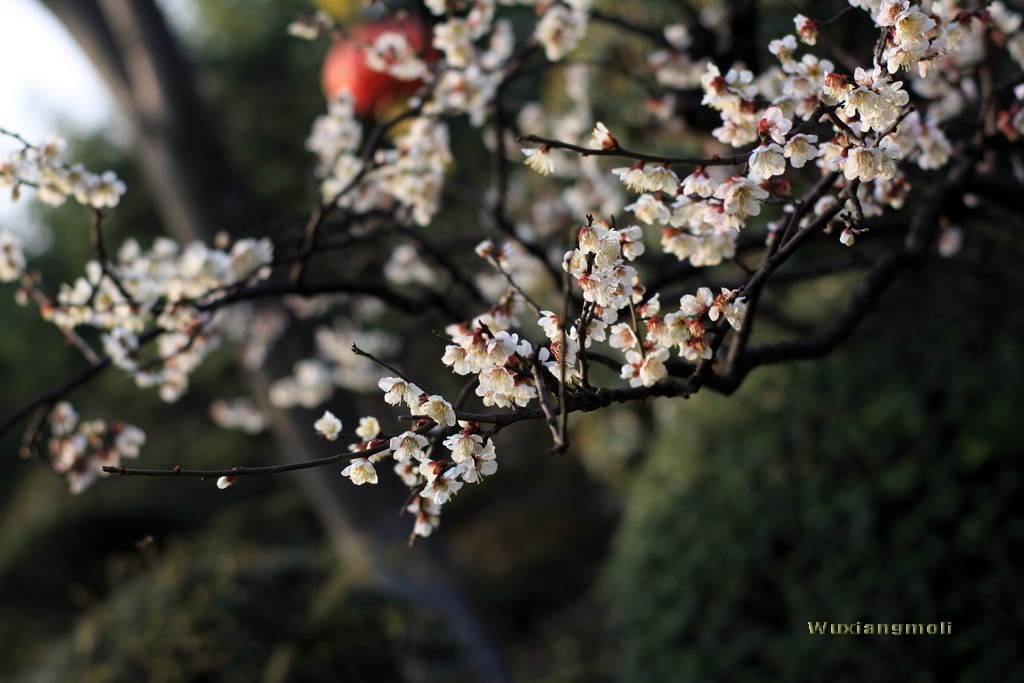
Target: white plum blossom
x=394 y=54
x=164 y=287
x=369 y=428
x=725 y=93
x=407 y=267
x=696 y=305
x=436 y=7
x=623 y=337
x=224 y=482
x=736 y=132
x=408 y=446
x=561 y=29
x=334 y=348
x=648 y=178
x=868 y=163
x=539 y=159
x=807 y=29
x=12 y=258
x=741 y=196
x=409 y=471
x=601 y=138
x=464 y=445
x=800 y=149
x=705 y=246
x=503 y=388
x=309 y=386
x=106 y=191
x=155 y=313
x=360 y=471
x=438 y=410
x=767 y=161
x=774 y=125
x=783 y=48
x=398 y=391
x=663 y=179
x=632 y=242
x=552 y=325
x=876 y=99
x=80 y=449
x=805 y=80
x=481 y=464
x=935 y=147
x=441 y=485
x=478 y=350
x=427 y=516
x=678 y=36
x=128 y=440
x=950 y=241
x=44 y=168
x=725 y=304
x=699 y=183
x=648 y=208
x=836 y=86
x=645 y=369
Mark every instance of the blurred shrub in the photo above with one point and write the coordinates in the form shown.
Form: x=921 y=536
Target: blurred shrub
x=247 y=614
x=876 y=486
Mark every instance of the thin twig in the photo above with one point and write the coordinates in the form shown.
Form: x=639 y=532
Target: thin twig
x=512 y=283
x=619 y=151
x=359 y=352
x=550 y=414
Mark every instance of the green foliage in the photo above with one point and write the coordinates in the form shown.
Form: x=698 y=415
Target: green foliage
x=838 y=491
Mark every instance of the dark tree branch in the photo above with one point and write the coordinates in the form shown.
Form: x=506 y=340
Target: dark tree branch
x=920 y=238
x=623 y=153
x=54 y=394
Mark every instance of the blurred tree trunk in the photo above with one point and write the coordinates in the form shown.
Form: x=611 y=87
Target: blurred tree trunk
x=197 y=194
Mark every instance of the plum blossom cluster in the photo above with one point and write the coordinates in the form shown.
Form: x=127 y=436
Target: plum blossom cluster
x=167 y=287
x=802 y=114
x=433 y=475
x=804 y=122
x=507 y=368
x=699 y=219
x=873 y=127
x=599 y=266
x=472 y=51
x=152 y=310
x=499 y=360
x=408 y=176
x=79 y=449
x=685 y=329
x=44 y=168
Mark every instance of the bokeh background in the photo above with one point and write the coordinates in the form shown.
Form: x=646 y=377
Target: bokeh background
x=678 y=541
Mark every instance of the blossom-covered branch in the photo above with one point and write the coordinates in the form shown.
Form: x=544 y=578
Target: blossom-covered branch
x=550 y=261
